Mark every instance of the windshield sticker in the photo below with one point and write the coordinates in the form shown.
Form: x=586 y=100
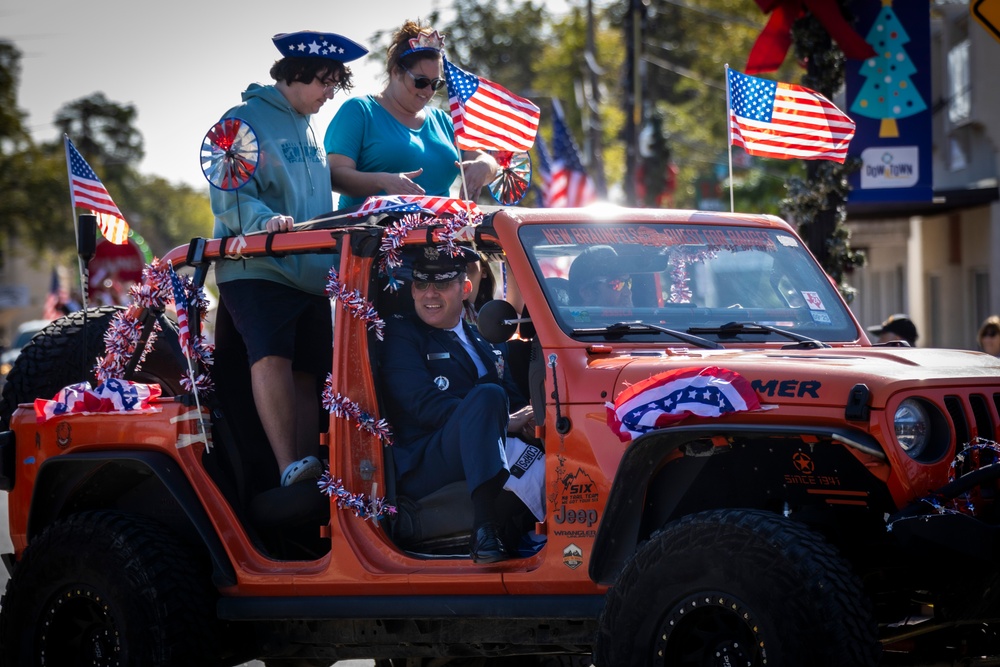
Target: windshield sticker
x=657 y=236
x=788 y=241
x=813 y=300
x=820 y=317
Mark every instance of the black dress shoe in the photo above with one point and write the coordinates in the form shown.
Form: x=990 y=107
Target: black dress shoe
x=485 y=545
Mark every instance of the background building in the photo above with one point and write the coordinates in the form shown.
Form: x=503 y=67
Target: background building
x=939 y=261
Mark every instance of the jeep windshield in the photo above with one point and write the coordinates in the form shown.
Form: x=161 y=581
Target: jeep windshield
x=727 y=283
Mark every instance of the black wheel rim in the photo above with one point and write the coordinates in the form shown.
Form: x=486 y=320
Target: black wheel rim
x=79 y=629
x=709 y=630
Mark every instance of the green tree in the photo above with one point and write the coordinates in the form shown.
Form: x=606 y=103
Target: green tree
x=29 y=177
x=104 y=132
x=35 y=206
x=499 y=41
x=13 y=136
x=683 y=52
x=818 y=203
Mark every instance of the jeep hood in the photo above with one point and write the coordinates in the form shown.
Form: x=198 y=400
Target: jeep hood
x=826 y=376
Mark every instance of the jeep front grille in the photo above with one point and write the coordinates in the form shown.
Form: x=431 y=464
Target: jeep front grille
x=972 y=417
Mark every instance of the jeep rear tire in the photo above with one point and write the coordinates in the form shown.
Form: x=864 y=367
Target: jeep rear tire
x=108 y=589
x=736 y=587
x=54 y=359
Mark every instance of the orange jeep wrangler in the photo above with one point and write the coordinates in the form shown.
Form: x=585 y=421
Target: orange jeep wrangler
x=734 y=474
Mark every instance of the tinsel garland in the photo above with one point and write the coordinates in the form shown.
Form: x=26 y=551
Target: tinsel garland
x=343 y=407
x=123 y=334
x=967 y=460
x=680 y=279
x=391 y=248
x=363 y=507
x=354 y=303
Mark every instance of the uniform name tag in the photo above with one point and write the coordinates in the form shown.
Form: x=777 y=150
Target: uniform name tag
x=435 y=356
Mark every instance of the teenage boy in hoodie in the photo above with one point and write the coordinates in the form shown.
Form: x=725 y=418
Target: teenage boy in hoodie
x=278 y=304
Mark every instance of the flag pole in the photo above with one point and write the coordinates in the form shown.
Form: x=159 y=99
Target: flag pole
x=461 y=166
x=82 y=266
x=729 y=142
x=186 y=349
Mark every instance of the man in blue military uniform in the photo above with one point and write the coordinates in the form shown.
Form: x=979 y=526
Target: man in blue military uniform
x=449 y=398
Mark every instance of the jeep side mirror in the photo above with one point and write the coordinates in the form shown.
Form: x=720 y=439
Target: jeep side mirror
x=498 y=321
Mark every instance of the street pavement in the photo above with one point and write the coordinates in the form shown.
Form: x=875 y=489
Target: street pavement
x=6 y=546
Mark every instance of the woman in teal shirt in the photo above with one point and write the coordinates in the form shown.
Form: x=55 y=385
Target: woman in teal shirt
x=393 y=142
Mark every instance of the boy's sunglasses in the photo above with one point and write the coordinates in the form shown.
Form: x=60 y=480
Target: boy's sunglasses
x=422 y=82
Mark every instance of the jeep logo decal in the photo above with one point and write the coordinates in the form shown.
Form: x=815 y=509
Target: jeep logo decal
x=803 y=463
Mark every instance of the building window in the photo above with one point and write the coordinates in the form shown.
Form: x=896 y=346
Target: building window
x=959 y=88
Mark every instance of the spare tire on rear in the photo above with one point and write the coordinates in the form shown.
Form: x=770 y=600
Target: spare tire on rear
x=64 y=353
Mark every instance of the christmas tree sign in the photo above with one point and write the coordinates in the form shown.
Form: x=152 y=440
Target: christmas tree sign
x=888 y=93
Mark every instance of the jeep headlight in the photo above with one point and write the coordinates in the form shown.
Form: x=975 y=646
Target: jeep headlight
x=912 y=426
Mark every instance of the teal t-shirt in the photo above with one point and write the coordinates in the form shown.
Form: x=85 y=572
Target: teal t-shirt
x=371 y=136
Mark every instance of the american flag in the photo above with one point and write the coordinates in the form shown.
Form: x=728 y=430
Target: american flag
x=568 y=184
x=55 y=302
x=544 y=170
x=87 y=191
x=487 y=116
x=437 y=206
x=785 y=121
x=667 y=398
x=180 y=304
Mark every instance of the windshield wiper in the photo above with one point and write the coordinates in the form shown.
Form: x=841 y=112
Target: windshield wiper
x=619 y=329
x=731 y=329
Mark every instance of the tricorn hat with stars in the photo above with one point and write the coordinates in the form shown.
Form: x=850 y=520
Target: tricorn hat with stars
x=312 y=44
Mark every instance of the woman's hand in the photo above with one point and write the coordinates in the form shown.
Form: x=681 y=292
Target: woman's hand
x=401 y=184
x=478 y=172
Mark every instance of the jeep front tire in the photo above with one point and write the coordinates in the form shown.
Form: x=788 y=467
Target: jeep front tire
x=736 y=587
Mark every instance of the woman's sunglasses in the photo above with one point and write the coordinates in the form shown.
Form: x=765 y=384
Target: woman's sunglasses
x=422 y=82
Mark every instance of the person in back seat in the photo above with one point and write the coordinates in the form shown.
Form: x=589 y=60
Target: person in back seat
x=451 y=402
x=598 y=277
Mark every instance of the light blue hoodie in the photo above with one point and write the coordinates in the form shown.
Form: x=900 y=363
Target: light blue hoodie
x=291 y=178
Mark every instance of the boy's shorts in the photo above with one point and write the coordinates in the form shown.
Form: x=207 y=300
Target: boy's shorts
x=277 y=320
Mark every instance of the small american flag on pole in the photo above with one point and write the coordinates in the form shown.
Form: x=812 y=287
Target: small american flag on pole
x=180 y=304
x=87 y=191
x=785 y=121
x=437 y=206
x=486 y=115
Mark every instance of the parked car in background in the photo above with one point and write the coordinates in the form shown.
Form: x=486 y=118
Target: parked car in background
x=25 y=332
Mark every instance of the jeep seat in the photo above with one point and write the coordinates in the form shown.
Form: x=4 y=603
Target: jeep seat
x=438 y=523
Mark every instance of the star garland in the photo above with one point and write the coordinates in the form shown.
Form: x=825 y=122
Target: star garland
x=343 y=407
x=680 y=279
x=354 y=303
x=363 y=507
x=391 y=248
x=122 y=337
x=967 y=460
